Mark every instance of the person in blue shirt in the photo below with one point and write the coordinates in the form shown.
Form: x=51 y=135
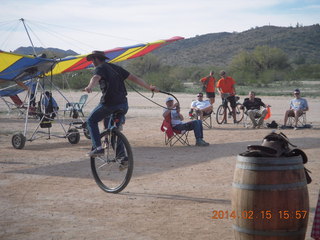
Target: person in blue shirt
x=49 y=103
x=298 y=106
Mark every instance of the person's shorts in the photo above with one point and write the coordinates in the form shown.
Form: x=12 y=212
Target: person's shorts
x=232 y=100
x=292 y=113
x=211 y=94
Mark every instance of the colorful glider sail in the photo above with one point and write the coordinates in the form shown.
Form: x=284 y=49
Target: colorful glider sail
x=15 y=67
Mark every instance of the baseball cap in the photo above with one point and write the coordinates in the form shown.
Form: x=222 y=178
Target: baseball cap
x=169 y=99
x=296 y=91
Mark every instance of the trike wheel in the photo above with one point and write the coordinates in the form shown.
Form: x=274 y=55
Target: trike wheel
x=73 y=136
x=18 y=141
x=86 y=132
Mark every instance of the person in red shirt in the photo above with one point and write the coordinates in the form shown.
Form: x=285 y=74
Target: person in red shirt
x=227 y=91
x=208 y=84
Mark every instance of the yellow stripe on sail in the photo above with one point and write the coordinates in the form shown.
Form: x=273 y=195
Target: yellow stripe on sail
x=7 y=59
x=130 y=52
x=60 y=67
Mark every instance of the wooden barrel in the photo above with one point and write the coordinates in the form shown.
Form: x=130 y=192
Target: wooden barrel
x=269 y=199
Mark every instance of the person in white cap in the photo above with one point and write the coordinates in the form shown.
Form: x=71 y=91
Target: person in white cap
x=111 y=78
x=178 y=124
x=298 y=105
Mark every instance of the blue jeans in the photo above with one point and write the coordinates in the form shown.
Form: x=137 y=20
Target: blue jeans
x=195 y=125
x=98 y=114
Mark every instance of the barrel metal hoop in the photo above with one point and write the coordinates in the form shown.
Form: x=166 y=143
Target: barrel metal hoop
x=273 y=161
x=271 y=187
x=268 y=168
x=269 y=232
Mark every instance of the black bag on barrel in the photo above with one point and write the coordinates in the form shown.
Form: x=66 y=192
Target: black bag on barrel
x=277 y=145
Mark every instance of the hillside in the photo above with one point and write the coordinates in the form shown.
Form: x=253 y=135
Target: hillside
x=301 y=44
x=51 y=52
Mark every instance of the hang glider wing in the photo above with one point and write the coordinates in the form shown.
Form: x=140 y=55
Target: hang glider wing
x=15 y=89
x=70 y=64
x=16 y=67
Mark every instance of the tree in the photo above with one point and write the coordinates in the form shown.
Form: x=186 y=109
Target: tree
x=143 y=65
x=259 y=66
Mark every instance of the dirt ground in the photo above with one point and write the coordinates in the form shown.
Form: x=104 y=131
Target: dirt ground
x=47 y=190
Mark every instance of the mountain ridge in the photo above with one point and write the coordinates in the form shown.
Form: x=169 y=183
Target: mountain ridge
x=51 y=52
x=217 y=49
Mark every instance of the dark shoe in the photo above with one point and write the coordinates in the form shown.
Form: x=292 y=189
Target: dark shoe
x=124 y=164
x=96 y=153
x=201 y=143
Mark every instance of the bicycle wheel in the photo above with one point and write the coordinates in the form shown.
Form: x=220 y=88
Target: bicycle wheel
x=112 y=172
x=239 y=113
x=220 y=114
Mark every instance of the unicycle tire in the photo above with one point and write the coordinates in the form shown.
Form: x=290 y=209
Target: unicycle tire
x=112 y=171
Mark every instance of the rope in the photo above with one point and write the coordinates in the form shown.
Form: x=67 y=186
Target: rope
x=162 y=106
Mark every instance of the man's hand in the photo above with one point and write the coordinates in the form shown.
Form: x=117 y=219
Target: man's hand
x=87 y=89
x=153 y=88
x=177 y=107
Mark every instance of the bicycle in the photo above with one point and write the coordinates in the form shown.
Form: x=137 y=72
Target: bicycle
x=221 y=117
x=112 y=172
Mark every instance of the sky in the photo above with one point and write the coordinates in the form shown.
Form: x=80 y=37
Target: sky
x=86 y=25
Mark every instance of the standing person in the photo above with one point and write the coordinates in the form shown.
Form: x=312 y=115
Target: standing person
x=209 y=86
x=114 y=95
x=178 y=124
x=227 y=91
x=298 y=105
x=253 y=105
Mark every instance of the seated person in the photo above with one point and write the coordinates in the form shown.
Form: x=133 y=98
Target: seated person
x=177 y=124
x=201 y=107
x=298 y=105
x=50 y=104
x=252 y=106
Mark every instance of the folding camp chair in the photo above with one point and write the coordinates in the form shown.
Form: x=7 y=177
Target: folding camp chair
x=77 y=107
x=302 y=120
x=247 y=123
x=207 y=118
x=172 y=136
x=19 y=104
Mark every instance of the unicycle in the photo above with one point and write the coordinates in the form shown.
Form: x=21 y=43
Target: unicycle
x=112 y=172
